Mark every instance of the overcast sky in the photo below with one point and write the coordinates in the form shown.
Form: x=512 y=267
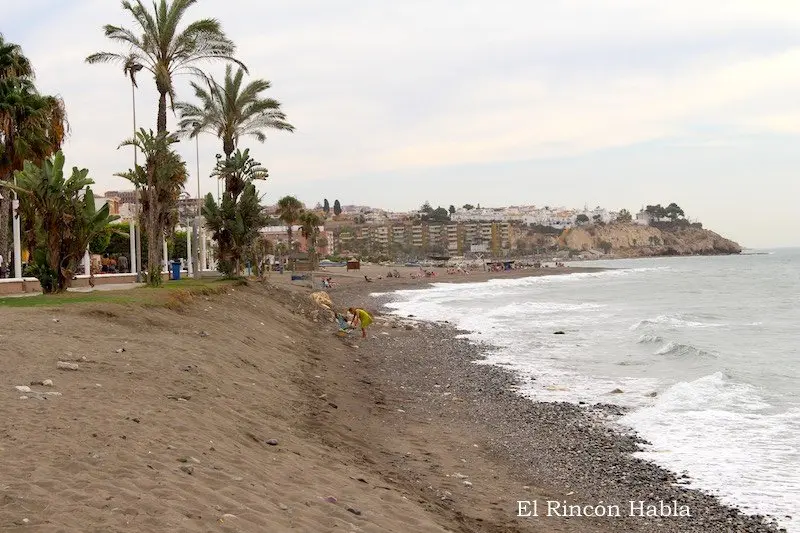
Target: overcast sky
x=617 y=103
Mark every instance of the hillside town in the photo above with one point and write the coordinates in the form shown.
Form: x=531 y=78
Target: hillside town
x=370 y=232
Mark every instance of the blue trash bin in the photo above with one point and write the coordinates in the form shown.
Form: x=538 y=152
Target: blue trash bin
x=176 y=270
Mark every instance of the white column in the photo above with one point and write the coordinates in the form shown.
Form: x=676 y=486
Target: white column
x=17 y=239
x=166 y=256
x=189 y=264
x=134 y=259
x=203 y=250
x=87 y=262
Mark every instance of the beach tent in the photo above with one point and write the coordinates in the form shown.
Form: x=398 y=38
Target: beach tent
x=353 y=264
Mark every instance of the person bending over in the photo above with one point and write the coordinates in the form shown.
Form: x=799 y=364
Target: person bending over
x=362 y=318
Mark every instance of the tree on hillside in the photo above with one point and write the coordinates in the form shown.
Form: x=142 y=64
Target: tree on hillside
x=597 y=218
x=452 y=209
x=655 y=211
x=337 y=208
x=426 y=208
x=581 y=219
x=469 y=207
x=326 y=207
x=440 y=214
x=164 y=48
x=160 y=180
x=624 y=216
x=673 y=212
x=65 y=216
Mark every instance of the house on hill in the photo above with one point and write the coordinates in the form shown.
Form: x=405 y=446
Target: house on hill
x=643 y=218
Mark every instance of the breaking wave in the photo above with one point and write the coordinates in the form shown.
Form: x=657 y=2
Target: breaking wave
x=677 y=349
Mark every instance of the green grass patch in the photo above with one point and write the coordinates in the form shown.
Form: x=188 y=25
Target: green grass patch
x=166 y=295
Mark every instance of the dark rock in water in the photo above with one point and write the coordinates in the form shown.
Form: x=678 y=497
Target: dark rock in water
x=651 y=394
x=410 y=316
x=558 y=333
x=617 y=391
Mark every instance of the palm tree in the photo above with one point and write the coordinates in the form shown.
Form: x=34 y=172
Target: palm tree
x=164 y=48
x=13 y=63
x=237 y=171
x=162 y=178
x=231 y=111
x=32 y=127
x=236 y=221
x=289 y=210
x=66 y=218
x=309 y=227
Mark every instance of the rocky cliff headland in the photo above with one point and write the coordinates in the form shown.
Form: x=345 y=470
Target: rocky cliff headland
x=620 y=239
x=633 y=240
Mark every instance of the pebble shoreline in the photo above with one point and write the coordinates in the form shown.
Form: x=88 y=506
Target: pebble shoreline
x=567 y=447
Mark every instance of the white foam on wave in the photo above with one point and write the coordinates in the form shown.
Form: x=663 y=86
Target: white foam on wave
x=688 y=424
x=539 y=308
x=675 y=320
x=677 y=349
x=650 y=339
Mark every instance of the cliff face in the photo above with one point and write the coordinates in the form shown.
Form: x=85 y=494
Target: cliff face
x=632 y=240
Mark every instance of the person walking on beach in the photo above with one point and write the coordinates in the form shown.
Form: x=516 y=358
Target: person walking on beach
x=361 y=318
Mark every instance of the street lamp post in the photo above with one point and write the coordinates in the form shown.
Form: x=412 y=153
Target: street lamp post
x=196 y=229
x=132 y=68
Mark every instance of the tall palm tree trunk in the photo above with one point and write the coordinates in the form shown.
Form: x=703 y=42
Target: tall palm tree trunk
x=154 y=248
x=161 y=124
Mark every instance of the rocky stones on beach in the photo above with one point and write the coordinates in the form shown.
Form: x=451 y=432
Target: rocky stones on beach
x=189 y=469
x=272 y=442
x=558 y=332
x=63 y=365
x=23 y=388
x=354 y=511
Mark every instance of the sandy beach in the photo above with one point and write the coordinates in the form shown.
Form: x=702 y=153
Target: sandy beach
x=242 y=411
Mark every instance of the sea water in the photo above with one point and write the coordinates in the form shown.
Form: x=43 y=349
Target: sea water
x=717 y=339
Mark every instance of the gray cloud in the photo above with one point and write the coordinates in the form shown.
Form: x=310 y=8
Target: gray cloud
x=518 y=102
